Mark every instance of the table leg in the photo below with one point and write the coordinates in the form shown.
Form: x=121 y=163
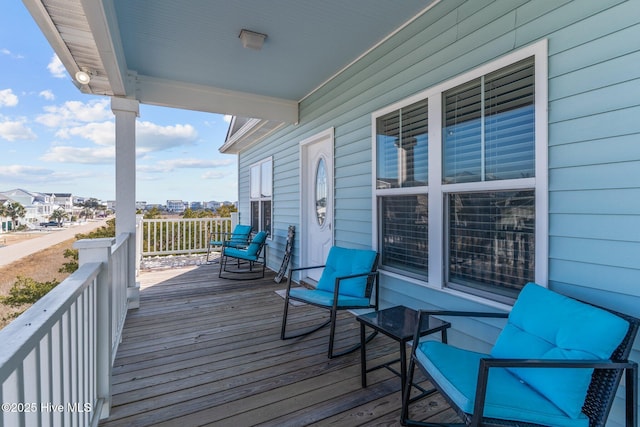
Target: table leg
x=363 y=356
x=403 y=367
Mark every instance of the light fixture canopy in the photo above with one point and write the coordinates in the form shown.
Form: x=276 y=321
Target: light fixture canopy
x=83 y=76
x=251 y=39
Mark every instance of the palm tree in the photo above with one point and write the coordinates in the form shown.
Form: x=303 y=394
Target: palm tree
x=14 y=211
x=59 y=215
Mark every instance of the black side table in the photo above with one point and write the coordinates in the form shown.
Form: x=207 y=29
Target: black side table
x=399 y=324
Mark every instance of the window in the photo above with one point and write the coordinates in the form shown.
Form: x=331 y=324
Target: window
x=261 y=175
x=401 y=180
x=461 y=180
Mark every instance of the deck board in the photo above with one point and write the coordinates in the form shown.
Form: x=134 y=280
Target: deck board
x=207 y=351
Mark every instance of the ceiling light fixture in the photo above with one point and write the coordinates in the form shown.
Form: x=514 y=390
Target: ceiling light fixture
x=251 y=39
x=83 y=76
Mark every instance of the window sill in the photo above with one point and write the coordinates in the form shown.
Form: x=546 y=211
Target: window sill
x=459 y=294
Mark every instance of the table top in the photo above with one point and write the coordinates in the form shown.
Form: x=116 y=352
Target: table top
x=399 y=322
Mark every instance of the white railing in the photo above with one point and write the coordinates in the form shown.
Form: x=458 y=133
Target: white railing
x=56 y=358
x=173 y=236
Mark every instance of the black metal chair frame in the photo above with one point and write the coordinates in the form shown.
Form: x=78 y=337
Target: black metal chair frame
x=600 y=395
x=239 y=268
x=371 y=287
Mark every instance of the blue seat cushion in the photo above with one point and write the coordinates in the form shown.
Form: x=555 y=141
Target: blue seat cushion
x=325 y=298
x=508 y=397
x=346 y=262
x=547 y=325
x=252 y=252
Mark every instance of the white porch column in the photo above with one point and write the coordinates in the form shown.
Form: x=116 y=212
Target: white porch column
x=126 y=110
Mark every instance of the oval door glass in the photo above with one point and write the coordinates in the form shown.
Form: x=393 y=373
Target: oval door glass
x=321 y=192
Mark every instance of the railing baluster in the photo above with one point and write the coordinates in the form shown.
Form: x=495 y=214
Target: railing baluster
x=182 y=235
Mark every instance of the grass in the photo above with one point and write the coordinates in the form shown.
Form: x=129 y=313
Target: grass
x=42 y=266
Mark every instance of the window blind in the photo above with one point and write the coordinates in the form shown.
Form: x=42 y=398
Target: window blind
x=489 y=126
x=402 y=140
x=404 y=233
x=491 y=240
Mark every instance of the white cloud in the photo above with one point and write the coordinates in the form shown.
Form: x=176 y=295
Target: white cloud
x=101 y=133
x=7 y=52
x=84 y=155
x=164 y=166
x=214 y=175
x=151 y=137
x=20 y=171
x=56 y=68
x=73 y=113
x=13 y=130
x=38 y=175
x=8 y=98
x=47 y=94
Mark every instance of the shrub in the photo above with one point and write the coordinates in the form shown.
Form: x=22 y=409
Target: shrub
x=27 y=291
x=72 y=265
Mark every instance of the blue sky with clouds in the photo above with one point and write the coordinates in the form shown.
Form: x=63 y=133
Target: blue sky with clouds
x=53 y=138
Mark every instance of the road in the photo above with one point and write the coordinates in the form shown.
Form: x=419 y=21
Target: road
x=16 y=251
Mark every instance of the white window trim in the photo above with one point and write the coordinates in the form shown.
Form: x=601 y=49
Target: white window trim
x=437 y=223
x=262 y=199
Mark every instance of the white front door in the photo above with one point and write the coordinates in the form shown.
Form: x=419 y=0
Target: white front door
x=316 y=201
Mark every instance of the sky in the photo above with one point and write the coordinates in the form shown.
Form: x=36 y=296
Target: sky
x=55 y=139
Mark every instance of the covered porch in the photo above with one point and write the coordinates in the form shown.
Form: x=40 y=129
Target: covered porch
x=206 y=351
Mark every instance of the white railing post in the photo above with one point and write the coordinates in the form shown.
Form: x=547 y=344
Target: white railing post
x=139 y=237
x=99 y=250
x=235 y=219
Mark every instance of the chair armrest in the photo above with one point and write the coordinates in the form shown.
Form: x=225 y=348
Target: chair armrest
x=487 y=363
x=291 y=270
x=454 y=313
x=306 y=268
x=336 y=289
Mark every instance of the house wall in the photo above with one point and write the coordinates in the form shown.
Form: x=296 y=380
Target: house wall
x=594 y=155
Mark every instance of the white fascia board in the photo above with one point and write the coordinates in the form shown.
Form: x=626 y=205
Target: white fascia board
x=254 y=131
x=48 y=28
x=109 y=44
x=155 y=91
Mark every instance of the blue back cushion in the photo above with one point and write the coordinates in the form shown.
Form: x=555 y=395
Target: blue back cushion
x=547 y=325
x=256 y=243
x=240 y=235
x=346 y=262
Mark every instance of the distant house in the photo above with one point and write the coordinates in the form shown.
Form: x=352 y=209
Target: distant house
x=64 y=200
x=175 y=206
x=38 y=206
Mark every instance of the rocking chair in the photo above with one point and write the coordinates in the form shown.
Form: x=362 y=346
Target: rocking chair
x=349 y=281
x=246 y=259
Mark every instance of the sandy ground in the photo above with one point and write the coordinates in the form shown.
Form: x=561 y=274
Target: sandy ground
x=7 y=239
x=33 y=242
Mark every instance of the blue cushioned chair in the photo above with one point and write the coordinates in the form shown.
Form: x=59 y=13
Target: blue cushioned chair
x=557 y=362
x=238 y=238
x=246 y=258
x=349 y=281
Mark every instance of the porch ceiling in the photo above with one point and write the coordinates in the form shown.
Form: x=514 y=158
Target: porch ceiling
x=188 y=54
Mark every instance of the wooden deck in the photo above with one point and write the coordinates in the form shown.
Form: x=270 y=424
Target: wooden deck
x=207 y=351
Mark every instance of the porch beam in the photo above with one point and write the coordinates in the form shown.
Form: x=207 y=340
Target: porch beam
x=126 y=110
x=155 y=91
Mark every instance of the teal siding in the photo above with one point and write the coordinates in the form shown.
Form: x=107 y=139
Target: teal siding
x=594 y=129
